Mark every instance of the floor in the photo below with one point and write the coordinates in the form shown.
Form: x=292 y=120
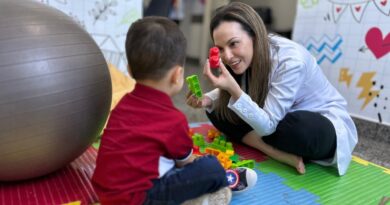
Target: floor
x=365 y=184
x=374 y=139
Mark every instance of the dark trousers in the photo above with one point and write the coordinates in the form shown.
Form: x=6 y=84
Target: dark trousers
x=303 y=133
x=204 y=175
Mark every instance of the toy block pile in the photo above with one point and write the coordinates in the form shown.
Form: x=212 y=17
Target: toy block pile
x=219 y=147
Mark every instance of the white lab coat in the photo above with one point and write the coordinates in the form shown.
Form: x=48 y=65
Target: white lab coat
x=298 y=83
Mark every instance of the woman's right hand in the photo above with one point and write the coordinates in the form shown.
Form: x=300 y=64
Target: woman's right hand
x=224 y=80
x=194 y=102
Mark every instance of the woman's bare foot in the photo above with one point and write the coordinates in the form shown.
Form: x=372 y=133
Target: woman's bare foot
x=301 y=166
x=253 y=140
x=287 y=158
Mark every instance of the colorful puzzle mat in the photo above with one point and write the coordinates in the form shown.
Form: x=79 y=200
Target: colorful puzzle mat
x=365 y=183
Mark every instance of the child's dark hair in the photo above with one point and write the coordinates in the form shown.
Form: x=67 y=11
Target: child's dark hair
x=153 y=46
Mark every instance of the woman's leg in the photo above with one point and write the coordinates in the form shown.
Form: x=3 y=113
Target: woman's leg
x=204 y=175
x=244 y=133
x=300 y=135
x=306 y=134
x=255 y=141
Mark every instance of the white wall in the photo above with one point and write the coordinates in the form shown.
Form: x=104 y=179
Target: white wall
x=283 y=12
x=198 y=34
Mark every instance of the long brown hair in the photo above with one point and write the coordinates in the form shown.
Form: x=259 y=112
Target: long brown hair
x=260 y=68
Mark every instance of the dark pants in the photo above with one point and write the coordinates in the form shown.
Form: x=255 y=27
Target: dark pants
x=204 y=175
x=303 y=133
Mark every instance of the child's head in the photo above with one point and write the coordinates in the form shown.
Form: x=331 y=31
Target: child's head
x=154 y=45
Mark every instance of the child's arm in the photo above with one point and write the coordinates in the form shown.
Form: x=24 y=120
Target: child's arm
x=182 y=163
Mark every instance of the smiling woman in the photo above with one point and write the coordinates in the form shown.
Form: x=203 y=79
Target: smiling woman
x=235 y=45
x=272 y=95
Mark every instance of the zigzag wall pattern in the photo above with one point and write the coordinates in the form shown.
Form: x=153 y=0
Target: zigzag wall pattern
x=325 y=48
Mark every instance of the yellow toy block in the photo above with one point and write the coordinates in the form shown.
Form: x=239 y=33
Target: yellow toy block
x=73 y=203
x=212 y=151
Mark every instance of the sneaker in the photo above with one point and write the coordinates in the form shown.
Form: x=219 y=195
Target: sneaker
x=220 y=197
x=241 y=179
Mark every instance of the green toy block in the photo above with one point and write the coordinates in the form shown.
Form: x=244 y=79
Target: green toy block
x=198 y=140
x=218 y=144
x=235 y=158
x=194 y=85
x=221 y=144
x=229 y=146
x=250 y=163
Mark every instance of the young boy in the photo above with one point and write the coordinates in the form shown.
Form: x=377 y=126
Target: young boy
x=145 y=156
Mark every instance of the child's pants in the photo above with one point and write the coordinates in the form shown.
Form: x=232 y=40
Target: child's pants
x=204 y=175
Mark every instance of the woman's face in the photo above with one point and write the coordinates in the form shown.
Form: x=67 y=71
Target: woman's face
x=235 y=45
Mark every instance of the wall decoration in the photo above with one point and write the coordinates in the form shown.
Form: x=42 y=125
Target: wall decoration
x=351 y=42
x=107 y=21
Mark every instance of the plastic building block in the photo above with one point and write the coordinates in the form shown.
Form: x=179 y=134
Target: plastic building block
x=73 y=203
x=220 y=143
x=214 y=57
x=198 y=140
x=229 y=146
x=235 y=158
x=191 y=132
x=212 y=151
x=250 y=163
x=195 y=151
x=220 y=148
x=229 y=152
x=224 y=160
x=194 y=86
x=213 y=133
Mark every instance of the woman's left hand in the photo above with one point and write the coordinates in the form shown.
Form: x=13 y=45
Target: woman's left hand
x=224 y=81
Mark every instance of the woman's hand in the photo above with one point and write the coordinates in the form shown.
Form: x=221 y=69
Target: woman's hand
x=194 y=102
x=224 y=81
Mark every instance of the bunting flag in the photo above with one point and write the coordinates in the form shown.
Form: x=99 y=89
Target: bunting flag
x=338 y=10
x=358 y=9
x=383 y=6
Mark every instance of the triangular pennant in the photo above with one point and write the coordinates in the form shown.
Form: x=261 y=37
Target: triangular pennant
x=358 y=10
x=383 y=6
x=338 y=10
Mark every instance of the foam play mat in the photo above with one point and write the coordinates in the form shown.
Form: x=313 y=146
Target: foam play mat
x=365 y=183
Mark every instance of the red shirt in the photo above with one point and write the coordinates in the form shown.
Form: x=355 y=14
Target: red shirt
x=143 y=127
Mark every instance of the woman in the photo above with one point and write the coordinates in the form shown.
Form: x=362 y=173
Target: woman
x=272 y=95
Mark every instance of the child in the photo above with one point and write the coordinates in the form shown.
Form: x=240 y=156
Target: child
x=145 y=155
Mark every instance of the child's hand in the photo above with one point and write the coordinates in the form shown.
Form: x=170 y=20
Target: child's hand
x=224 y=81
x=194 y=102
x=188 y=161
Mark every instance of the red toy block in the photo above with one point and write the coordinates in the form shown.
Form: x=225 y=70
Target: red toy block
x=196 y=151
x=191 y=132
x=214 y=57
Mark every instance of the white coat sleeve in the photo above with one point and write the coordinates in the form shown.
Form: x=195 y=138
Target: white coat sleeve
x=284 y=86
x=213 y=95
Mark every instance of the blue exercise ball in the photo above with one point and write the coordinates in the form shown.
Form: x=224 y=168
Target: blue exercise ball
x=55 y=90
